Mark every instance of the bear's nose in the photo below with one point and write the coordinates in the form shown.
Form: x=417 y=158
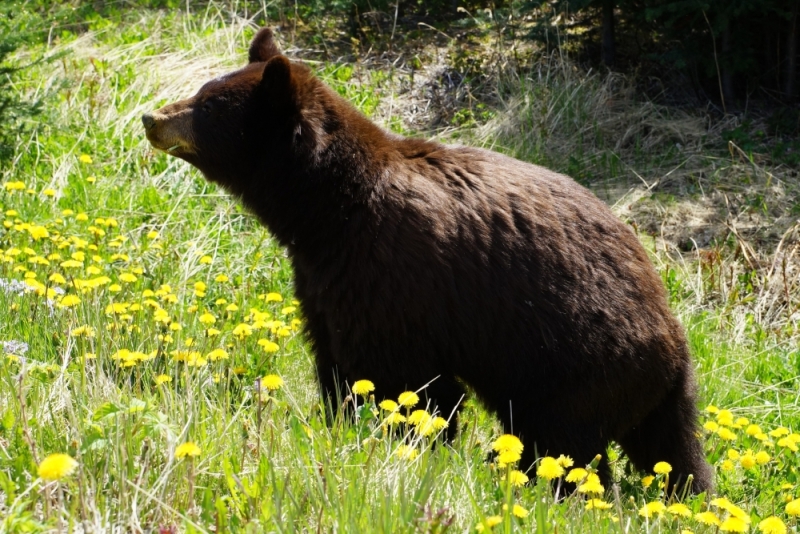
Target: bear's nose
x=148 y=121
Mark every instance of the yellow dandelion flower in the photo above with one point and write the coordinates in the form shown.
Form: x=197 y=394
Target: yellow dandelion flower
x=662 y=468
x=221 y=278
x=733 y=524
x=652 y=508
x=288 y=309
x=780 y=431
x=406 y=452
x=273 y=297
x=748 y=460
x=517 y=478
x=491 y=521
x=439 y=423
x=712 y=409
x=49 y=192
x=519 y=511
x=592 y=485
x=772 y=525
x=242 y=330
x=363 y=387
x=67 y=301
x=507 y=457
x=85 y=158
x=565 y=461
x=741 y=421
x=272 y=382
x=577 y=474
x=711 y=426
x=57 y=466
x=231 y=308
x=187 y=449
x=91 y=179
x=128 y=278
x=207 y=319
x=549 y=468
x=762 y=457
x=725 y=417
x=408 y=399
x=648 y=480
x=161 y=379
x=733 y=454
x=418 y=417
x=394 y=418
x=508 y=442
x=679 y=509
x=793 y=507
x=707 y=518
x=598 y=504
x=788 y=443
x=388 y=405
x=269 y=346
x=726 y=434
x=217 y=354
x=727 y=465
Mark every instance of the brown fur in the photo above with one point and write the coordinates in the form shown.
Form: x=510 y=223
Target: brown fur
x=414 y=260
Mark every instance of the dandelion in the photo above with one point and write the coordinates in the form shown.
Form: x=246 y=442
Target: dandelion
x=187 y=449
x=679 y=509
x=711 y=426
x=762 y=457
x=517 y=478
x=85 y=330
x=406 y=452
x=707 y=518
x=648 y=480
x=652 y=508
x=162 y=379
x=206 y=260
x=85 y=158
x=207 y=319
x=519 y=511
x=363 y=387
x=491 y=521
x=231 y=308
x=725 y=417
x=408 y=399
x=576 y=475
x=565 y=461
x=793 y=507
x=388 y=405
x=288 y=310
x=128 y=278
x=217 y=354
x=780 y=431
x=507 y=457
x=269 y=346
x=272 y=382
x=748 y=461
x=394 y=418
x=508 y=442
x=439 y=423
x=242 y=330
x=57 y=466
x=662 y=468
x=733 y=524
x=733 y=454
x=68 y=301
x=726 y=434
x=273 y=297
x=592 y=485
x=549 y=468
x=772 y=525
x=221 y=278
x=49 y=192
x=598 y=504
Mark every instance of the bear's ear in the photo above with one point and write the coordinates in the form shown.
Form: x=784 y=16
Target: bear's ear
x=263 y=47
x=276 y=82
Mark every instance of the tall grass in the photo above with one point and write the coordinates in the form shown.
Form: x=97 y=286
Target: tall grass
x=267 y=461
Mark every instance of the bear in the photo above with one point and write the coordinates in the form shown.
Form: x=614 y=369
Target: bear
x=421 y=263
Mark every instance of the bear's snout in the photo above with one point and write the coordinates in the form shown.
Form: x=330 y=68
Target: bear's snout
x=148 y=120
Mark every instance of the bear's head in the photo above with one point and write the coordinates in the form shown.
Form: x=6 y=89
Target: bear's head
x=278 y=138
x=235 y=122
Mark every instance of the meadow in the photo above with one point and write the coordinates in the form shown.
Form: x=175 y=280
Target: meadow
x=154 y=374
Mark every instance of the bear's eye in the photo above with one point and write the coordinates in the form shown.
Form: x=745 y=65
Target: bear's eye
x=207 y=107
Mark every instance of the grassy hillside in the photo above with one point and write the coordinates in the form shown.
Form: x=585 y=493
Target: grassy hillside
x=149 y=331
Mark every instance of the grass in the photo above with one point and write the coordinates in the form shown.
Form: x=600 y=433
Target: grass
x=121 y=388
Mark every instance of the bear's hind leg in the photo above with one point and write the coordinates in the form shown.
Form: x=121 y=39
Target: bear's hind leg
x=670 y=434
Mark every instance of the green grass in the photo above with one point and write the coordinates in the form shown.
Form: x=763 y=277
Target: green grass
x=267 y=460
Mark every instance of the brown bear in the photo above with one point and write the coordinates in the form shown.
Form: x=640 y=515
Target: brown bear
x=417 y=262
